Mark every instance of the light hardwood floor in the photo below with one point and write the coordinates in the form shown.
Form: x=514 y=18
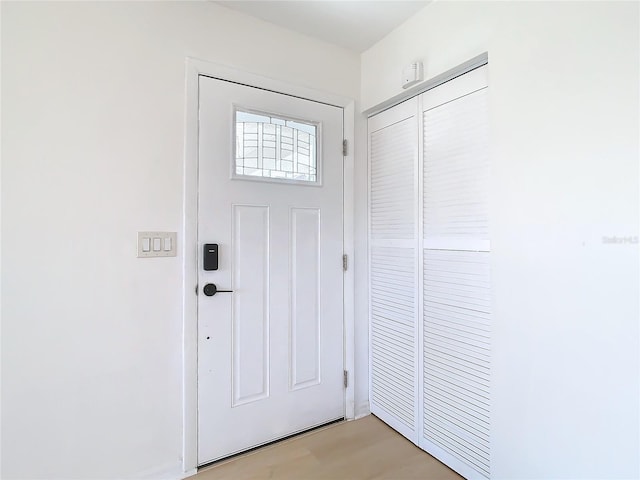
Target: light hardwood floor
x=362 y=449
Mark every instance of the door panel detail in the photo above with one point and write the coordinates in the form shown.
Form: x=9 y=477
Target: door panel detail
x=305 y=297
x=457 y=348
x=392 y=332
x=392 y=182
x=250 y=233
x=456 y=171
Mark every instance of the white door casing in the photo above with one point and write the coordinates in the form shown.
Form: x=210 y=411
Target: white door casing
x=270 y=354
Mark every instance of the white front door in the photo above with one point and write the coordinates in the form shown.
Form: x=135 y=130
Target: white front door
x=270 y=353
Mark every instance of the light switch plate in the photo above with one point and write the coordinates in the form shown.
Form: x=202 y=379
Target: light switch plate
x=147 y=241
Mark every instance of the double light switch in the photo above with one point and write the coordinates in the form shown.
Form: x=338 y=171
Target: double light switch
x=157 y=244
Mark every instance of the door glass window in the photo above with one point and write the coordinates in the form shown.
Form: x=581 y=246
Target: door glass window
x=270 y=147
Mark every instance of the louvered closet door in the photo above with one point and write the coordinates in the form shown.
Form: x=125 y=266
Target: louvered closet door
x=393 y=213
x=456 y=303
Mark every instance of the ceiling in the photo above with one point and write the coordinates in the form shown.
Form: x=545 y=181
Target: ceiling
x=355 y=25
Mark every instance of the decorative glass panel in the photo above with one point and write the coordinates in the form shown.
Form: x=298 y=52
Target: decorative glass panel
x=271 y=147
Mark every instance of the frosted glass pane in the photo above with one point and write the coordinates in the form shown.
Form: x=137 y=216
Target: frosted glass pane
x=275 y=147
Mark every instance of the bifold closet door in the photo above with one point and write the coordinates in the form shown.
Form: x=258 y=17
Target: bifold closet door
x=393 y=283
x=456 y=302
x=430 y=289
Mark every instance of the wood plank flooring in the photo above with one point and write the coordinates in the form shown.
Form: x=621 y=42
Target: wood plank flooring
x=363 y=449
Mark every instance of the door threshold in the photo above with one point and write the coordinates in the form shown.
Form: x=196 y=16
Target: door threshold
x=268 y=444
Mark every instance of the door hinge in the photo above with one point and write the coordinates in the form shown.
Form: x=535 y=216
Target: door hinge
x=344 y=148
x=345 y=262
x=196 y=289
x=345 y=378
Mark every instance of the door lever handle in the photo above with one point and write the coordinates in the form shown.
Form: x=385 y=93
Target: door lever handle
x=210 y=290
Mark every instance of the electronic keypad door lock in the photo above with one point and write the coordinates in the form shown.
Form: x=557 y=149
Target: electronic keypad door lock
x=210 y=256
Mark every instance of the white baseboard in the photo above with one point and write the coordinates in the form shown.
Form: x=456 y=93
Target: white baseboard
x=362 y=409
x=171 y=471
x=189 y=473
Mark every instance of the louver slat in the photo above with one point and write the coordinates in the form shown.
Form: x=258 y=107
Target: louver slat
x=457 y=347
x=393 y=333
x=392 y=181
x=456 y=174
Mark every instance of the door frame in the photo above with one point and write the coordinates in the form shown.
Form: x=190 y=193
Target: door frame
x=195 y=68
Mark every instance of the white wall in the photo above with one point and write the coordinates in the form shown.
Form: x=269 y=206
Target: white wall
x=564 y=103
x=93 y=98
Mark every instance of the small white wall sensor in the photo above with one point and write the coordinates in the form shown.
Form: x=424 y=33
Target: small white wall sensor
x=412 y=74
